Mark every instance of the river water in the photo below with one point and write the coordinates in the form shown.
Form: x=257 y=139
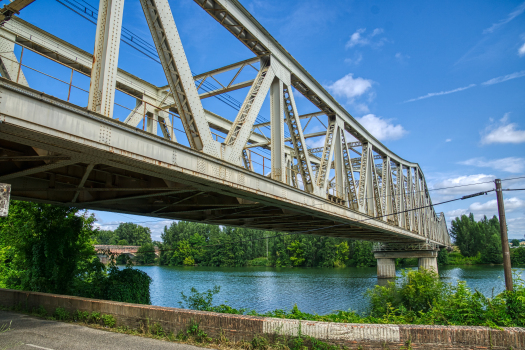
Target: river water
x=314 y=290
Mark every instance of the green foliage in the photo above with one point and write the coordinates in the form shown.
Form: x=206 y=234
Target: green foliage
x=199 y=301
x=188 y=244
x=258 y=262
x=515 y=243
x=128 y=285
x=133 y=234
x=45 y=248
x=473 y=238
x=82 y=316
x=443 y=257
x=61 y=314
x=108 y=320
x=94 y=317
x=146 y=254
x=517 y=256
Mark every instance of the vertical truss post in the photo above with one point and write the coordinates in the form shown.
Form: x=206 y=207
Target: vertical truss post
x=277 y=129
x=417 y=203
x=350 y=180
x=377 y=191
x=386 y=201
x=393 y=198
x=288 y=170
x=366 y=191
x=297 y=137
x=105 y=57
x=180 y=80
x=326 y=160
x=401 y=195
x=339 y=166
x=410 y=197
x=242 y=126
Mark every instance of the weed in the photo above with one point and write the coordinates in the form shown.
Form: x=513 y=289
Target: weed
x=108 y=320
x=260 y=343
x=94 y=317
x=61 y=314
x=82 y=316
x=41 y=311
x=157 y=330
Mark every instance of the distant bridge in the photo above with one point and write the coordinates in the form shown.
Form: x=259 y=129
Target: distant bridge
x=54 y=151
x=129 y=250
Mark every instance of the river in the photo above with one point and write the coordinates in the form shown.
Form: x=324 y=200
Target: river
x=314 y=290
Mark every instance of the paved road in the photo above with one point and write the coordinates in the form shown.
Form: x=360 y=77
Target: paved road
x=30 y=333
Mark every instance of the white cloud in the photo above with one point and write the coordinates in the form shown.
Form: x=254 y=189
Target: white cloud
x=465 y=184
x=509 y=203
x=505 y=78
x=358 y=39
x=504 y=133
x=358 y=57
x=521 y=50
x=448 y=140
x=432 y=94
x=349 y=87
x=509 y=164
x=401 y=58
x=381 y=128
x=518 y=11
x=488 y=208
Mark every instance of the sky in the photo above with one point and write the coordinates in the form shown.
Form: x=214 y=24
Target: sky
x=440 y=83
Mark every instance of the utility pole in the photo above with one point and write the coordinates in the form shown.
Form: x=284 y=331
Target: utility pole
x=504 y=238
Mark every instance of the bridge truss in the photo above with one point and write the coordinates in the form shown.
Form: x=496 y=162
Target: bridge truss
x=57 y=152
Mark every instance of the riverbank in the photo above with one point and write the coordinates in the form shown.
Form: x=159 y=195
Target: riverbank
x=261 y=333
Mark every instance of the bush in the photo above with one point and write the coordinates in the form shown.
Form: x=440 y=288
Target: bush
x=108 y=320
x=128 y=285
x=61 y=314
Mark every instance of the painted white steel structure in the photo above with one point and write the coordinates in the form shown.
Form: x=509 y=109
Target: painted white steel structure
x=86 y=158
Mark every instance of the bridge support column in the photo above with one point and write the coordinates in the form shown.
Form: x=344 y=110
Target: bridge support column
x=387 y=253
x=428 y=263
x=386 y=268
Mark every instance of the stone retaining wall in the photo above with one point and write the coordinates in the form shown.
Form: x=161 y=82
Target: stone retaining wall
x=238 y=327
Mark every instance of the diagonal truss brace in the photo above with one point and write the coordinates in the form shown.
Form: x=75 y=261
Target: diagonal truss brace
x=242 y=127
x=297 y=138
x=326 y=159
x=180 y=80
x=349 y=169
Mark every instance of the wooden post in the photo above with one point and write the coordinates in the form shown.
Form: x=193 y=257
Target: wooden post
x=504 y=238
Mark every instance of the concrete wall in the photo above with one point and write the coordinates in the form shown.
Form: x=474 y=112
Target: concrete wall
x=237 y=327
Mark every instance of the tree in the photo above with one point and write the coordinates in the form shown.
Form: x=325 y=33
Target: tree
x=133 y=234
x=515 y=243
x=46 y=248
x=52 y=244
x=146 y=254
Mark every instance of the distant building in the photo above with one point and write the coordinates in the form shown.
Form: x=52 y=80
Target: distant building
x=522 y=243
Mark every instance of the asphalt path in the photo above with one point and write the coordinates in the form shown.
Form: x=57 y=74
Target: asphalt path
x=31 y=333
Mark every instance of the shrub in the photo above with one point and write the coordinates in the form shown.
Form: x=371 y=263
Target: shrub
x=128 y=285
x=108 y=320
x=61 y=314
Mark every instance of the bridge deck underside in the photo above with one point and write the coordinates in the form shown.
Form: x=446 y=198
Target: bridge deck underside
x=93 y=162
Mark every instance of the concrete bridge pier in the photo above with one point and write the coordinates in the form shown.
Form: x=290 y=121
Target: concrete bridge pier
x=387 y=253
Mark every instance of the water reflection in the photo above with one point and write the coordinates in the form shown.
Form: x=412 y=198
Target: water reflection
x=319 y=290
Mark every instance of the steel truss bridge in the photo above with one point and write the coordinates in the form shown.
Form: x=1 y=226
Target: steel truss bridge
x=54 y=151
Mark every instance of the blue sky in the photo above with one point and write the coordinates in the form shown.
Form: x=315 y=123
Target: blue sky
x=441 y=83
